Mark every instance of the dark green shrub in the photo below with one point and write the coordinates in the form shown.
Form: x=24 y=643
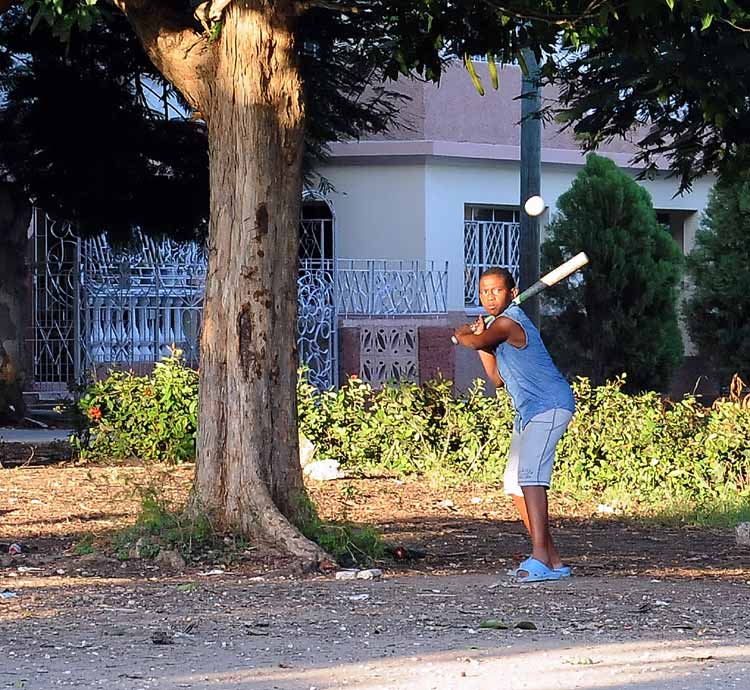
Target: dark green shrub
x=149 y=418
x=718 y=308
x=621 y=313
x=636 y=449
x=407 y=428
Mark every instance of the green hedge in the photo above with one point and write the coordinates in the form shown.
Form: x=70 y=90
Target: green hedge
x=151 y=418
x=634 y=447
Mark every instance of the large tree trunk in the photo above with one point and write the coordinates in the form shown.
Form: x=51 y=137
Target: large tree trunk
x=248 y=88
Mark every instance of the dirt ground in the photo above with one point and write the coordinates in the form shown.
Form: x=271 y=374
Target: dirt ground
x=648 y=608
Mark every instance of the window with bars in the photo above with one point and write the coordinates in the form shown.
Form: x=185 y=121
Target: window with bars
x=491 y=236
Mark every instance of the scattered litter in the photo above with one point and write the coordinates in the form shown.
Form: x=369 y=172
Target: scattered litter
x=323 y=470
x=162 y=637
x=28 y=569
x=7 y=594
x=476 y=500
x=400 y=553
x=604 y=509
x=581 y=661
x=15 y=549
x=346 y=575
x=525 y=625
x=306 y=450
x=187 y=587
x=359 y=597
x=41 y=425
x=371 y=574
x=215 y=571
x=659 y=602
x=448 y=504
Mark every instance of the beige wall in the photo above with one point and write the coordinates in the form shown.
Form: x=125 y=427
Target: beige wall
x=380 y=209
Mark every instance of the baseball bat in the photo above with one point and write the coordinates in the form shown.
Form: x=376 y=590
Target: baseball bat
x=547 y=280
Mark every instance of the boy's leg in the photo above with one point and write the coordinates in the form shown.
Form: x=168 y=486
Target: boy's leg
x=554 y=557
x=513 y=489
x=542 y=547
x=535 y=459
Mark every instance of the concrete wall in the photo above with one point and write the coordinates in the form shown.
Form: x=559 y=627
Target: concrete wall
x=380 y=209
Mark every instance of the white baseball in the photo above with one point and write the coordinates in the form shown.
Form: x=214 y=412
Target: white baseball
x=534 y=205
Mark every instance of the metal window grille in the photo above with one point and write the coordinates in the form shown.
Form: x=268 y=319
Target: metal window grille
x=491 y=238
x=386 y=287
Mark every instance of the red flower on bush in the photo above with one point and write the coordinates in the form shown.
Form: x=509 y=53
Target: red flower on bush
x=354 y=377
x=95 y=413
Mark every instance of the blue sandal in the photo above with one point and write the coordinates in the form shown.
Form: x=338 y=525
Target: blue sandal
x=536 y=571
x=564 y=571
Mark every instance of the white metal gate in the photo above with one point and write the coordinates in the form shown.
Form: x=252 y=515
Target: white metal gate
x=94 y=306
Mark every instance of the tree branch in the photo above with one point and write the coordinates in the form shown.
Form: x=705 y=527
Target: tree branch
x=551 y=18
x=174 y=44
x=7 y=4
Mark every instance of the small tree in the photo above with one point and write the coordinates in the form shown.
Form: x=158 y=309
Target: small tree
x=718 y=308
x=621 y=315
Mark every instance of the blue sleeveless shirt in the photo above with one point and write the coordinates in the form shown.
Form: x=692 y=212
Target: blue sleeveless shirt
x=533 y=381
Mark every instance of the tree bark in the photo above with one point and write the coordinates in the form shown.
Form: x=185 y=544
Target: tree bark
x=248 y=476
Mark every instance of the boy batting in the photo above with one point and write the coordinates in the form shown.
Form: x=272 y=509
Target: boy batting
x=513 y=355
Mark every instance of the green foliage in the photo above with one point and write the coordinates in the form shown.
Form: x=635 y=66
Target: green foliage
x=622 y=314
x=718 y=308
x=680 y=65
x=161 y=524
x=84 y=546
x=84 y=136
x=150 y=418
x=406 y=428
x=350 y=544
x=674 y=77
x=635 y=449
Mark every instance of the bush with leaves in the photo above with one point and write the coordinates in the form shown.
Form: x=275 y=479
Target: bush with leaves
x=149 y=418
x=636 y=449
x=718 y=308
x=406 y=427
x=621 y=315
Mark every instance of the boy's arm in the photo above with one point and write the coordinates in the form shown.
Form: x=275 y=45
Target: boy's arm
x=489 y=362
x=489 y=338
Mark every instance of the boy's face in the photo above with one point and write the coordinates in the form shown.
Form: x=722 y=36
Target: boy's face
x=495 y=295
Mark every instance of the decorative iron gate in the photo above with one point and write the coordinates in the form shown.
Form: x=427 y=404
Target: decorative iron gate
x=95 y=306
x=56 y=335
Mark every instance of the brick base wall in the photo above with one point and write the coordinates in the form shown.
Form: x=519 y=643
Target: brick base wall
x=436 y=353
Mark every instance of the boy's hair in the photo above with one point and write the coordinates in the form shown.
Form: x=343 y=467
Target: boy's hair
x=504 y=273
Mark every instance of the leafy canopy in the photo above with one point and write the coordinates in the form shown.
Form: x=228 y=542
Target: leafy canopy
x=95 y=134
x=673 y=75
